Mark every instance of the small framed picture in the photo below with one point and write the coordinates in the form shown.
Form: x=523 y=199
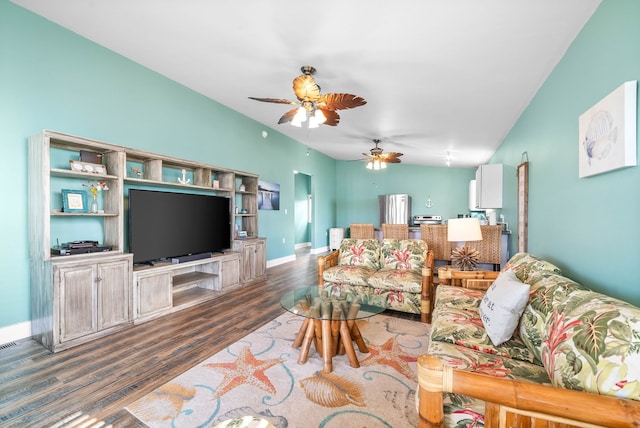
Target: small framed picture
x=74 y=201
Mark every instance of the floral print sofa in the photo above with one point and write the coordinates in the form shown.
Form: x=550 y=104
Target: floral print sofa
x=393 y=273
x=571 y=344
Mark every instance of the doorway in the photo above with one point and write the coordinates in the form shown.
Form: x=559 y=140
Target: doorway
x=303 y=212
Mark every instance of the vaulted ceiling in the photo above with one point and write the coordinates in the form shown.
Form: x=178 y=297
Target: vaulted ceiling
x=442 y=78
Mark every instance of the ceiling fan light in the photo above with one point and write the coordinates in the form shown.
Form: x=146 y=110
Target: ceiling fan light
x=383 y=165
x=313 y=122
x=370 y=165
x=301 y=115
x=319 y=116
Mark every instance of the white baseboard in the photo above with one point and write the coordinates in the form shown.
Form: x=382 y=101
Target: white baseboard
x=281 y=260
x=303 y=245
x=15 y=332
x=319 y=250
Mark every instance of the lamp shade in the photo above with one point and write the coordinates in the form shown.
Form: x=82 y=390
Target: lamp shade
x=463 y=229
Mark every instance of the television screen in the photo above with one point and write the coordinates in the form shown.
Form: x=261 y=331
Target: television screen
x=167 y=224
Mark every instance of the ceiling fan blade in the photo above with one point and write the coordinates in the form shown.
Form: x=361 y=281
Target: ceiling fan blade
x=274 y=100
x=306 y=88
x=288 y=116
x=341 y=101
x=391 y=157
x=332 y=117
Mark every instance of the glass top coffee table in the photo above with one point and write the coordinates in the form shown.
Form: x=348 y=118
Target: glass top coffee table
x=329 y=323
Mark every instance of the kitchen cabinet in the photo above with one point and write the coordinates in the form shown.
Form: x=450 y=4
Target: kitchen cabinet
x=489 y=186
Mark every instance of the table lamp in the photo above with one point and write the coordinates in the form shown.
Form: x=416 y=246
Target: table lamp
x=461 y=230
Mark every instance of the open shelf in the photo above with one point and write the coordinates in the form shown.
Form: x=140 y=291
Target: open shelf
x=186 y=279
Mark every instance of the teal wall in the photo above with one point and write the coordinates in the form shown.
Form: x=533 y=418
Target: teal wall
x=587 y=226
x=51 y=78
x=358 y=190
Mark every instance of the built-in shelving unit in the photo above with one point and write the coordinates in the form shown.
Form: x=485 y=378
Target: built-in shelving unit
x=77 y=298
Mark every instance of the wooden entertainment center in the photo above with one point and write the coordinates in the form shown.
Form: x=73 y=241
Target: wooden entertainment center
x=78 y=298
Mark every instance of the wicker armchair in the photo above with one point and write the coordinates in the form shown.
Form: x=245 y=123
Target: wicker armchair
x=395 y=231
x=361 y=231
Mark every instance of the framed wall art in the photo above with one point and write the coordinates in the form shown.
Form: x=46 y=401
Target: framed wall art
x=74 y=201
x=607 y=132
x=268 y=195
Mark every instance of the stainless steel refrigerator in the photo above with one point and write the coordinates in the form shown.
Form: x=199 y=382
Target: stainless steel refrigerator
x=394 y=209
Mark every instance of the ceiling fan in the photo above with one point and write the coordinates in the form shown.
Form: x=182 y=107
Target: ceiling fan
x=313 y=106
x=379 y=160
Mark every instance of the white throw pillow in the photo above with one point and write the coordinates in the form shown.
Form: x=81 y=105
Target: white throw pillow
x=502 y=306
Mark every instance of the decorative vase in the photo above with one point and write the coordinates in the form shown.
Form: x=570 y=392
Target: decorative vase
x=94 y=205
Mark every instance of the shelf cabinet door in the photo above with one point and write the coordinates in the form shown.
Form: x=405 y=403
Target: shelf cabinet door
x=254 y=263
x=154 y=294
x=230 y=272
x=260 y=259
x=78 y=301
x=113 y=294
x=249 y=262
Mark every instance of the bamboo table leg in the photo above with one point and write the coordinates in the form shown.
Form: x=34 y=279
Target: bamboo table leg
x=345 y=336
x=357 y=336
x=300 y=336
x=327 y=351
x=306 y=344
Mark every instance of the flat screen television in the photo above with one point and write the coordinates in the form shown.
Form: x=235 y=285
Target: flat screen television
x=163 y=224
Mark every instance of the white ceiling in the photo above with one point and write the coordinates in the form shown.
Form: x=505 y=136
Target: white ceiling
x=439 y=76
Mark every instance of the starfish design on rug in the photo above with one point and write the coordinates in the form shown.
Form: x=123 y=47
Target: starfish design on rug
x=390 y=354
x=246 y=369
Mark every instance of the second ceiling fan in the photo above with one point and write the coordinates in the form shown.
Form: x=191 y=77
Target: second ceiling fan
x=313 y=106
x=377 y=159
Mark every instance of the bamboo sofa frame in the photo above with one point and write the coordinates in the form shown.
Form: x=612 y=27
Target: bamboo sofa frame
x=511 y=403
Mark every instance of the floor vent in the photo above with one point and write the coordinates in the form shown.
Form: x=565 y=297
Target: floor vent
x=8 y=345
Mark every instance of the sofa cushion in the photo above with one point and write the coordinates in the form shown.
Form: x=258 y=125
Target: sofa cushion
x=593 y=344
x=472 y=360
x=408 y=280
x=502 y=306
x=360 y=252
x=456 y=320
x=403 y=254
x=549 y=292
x=346 y=274
x=524 y=265
x=350 y=292
x=396 y=300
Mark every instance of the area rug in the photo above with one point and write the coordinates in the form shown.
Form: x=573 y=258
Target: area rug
x=260 y=376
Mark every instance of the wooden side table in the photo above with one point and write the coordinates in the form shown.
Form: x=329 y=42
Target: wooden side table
x=476 y=279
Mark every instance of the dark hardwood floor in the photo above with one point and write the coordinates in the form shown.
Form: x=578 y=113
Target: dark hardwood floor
x=98 y=379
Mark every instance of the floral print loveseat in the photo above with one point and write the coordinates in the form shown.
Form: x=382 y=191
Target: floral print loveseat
x=569 y=338
x=393 y=273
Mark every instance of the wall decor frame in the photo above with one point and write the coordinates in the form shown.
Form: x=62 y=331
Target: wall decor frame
x=268 y=195
x=74 y=201
x=523 y=206
x=607 y=132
